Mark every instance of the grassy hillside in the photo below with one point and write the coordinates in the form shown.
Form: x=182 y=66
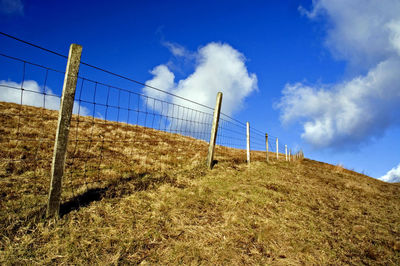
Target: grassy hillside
x=152 y=201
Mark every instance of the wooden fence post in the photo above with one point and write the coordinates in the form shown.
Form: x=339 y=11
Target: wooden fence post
x=266 y=145
x=290 y=151
x=214 y=131
x=277 y=153
x=248 y=142
x=285 y=152
x=64 y=120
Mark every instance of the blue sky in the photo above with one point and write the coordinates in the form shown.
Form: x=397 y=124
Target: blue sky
x=319 y=75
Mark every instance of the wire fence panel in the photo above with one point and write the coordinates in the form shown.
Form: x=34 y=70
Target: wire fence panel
x=28 y=116
x=126 y=133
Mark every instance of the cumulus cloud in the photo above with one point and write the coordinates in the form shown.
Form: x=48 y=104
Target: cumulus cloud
x=33 y=95
x=12 y=7
x=218 y=67
x=163 y=80
x=367 y=35
x=392 y=176
x=348 y=112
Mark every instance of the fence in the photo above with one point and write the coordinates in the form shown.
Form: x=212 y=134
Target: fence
x=120 y=130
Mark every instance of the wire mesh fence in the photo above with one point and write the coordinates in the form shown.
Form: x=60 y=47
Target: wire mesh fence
x=121 y=129
x=128 y=133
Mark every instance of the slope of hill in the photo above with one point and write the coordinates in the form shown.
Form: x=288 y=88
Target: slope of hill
x=155 y=202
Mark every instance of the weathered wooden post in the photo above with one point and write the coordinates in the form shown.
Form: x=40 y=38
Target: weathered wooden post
x=285 y=152
x=290 y=150
x=277 y=154
x=64 y=120
x=266 y=145
x=248 y=142
x=214 y=131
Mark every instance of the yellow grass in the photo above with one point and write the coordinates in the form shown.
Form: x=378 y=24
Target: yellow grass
x=158 y=204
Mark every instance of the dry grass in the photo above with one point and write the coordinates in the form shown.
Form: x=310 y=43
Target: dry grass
x=157 y=204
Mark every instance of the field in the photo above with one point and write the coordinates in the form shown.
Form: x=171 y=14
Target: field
x=134 y=195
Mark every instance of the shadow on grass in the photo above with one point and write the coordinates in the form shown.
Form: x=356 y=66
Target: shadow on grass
x=116 y=189
x=91 y=195
x=214 y=162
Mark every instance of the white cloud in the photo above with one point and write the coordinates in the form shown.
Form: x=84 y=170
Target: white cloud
x=12 y=7
x=177 y=49
x=348 y=113
x=163 y=80
x=33 y=95
x=392 y=176
x=357 y=30
x=218 y=67
x=394 y=37
x=367 y=35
